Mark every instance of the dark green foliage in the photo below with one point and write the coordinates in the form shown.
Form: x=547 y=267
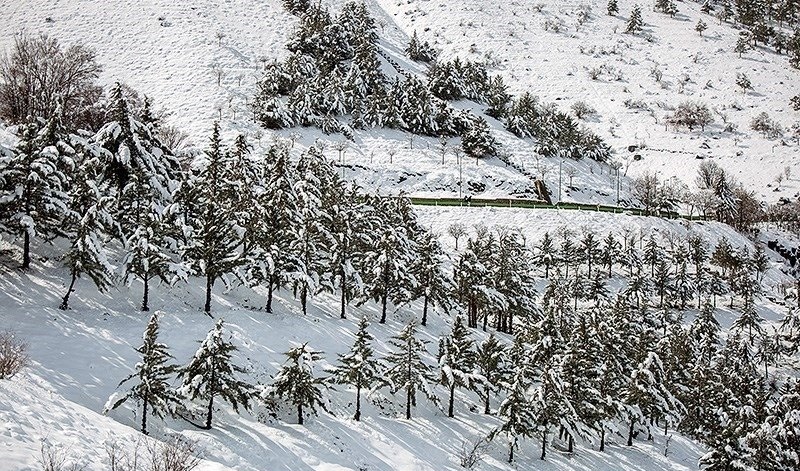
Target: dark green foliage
x=152 y=389
x=635 y=22
x=296 y=381
x=359 y=367
x=211 y=374
x=407 y=371
x=420 y=51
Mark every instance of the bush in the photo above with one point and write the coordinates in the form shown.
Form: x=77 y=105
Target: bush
x=54 y=458
x=691 y=114
x=39 y=75
x=795 y=102
x=768 y=127
x=13 y=355
x=175 y=454
x=582 y=109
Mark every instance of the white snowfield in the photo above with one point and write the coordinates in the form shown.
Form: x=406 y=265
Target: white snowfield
x=79 y=356
x=200 y=60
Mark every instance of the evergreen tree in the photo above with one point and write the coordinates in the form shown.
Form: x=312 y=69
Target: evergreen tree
x=433 y=285
x=211 y=374
x=296 y=381
x=743 y=43
x=213 y=246
x=490 y=363
x=88 y=224
x=348 y=229
x=388 y=264
x=545 y=254
x=515 y=411
x=666 y=6
x=705 y=334
x=635 y=21
x=646 y=397
x=152 y=373
x=613 y=7
x=407 y=371
x=457 y=361
x=749 y=322
x=272 y=259
x=609 y=252
x=358 y=367
x=701 y=26
x=34 y=182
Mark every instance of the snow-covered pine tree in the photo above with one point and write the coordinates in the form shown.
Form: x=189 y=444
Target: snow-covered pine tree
x=433 y=285
x=512 y=280
x=705 y=332
x=609 y=253
x=517 y=419
x=652 y=253
x=359 y=367
x=387 y=264
x=34 y=182
x=348 y=230
x=581 y=375
x=635 y=21
x=790 y=330
x=297 y=383
x=457 y=361
x=545 y=253
x=152 y=373
x=610 y=370
x=590 y=251
x=211 y=374
x=613 y=7
x=310 y=236
x=271 y=259
x=490 y=364
x=647 y=398
x=406 y=370
x=749 y=322
x=213 y=233
x=88 y=223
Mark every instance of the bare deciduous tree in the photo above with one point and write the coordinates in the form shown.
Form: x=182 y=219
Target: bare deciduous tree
x=13 y=355
x=38 y=75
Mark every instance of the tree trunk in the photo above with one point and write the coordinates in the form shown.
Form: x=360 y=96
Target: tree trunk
x=408 y=403
x=144 y=417
x=210 y=412
x=630 y=434
x=304 y=299
x=602 y=437
x=269 y=294
x=26 y=250
x=425 y=311
x=383 y=308
x=209 y=285
x=452 y=397
x=511 y=446
x=146 y=295
x=486 y=409
x=570 y=444
x=300 y=414
x=357 y=417
x=344 y=290
x=65 y=301
x=544 y=445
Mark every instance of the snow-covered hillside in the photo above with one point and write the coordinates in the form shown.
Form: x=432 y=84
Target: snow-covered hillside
x=200 y=60
x=79 y=356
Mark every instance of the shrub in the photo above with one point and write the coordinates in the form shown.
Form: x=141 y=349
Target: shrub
x=582 y=109
x=768 y=127
x=691 y=114
x=13 y=355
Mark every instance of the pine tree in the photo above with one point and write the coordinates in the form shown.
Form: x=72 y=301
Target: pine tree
x=433 y=285
x=613 y=8
x=34 y=182
x=705 y=331
x=490 y=363
x=152 y=373
x=667 y=6
x=545 y=254
x=609 y=252
x=635 y=21
x=388 y=264
x=213 y=247
x=296 y=381
x=743 y=43
x=515 y=410
x=358 y=367
x=749 y=322
x=211 y=374
x=406 y=369
x=348 y=229
x=272 y=258
x=700 y=26
x=457 y=362
x=310 y=237
x=88 y=224
x=646 y=397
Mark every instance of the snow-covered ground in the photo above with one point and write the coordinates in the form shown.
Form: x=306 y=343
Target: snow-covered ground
x=80 y=355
